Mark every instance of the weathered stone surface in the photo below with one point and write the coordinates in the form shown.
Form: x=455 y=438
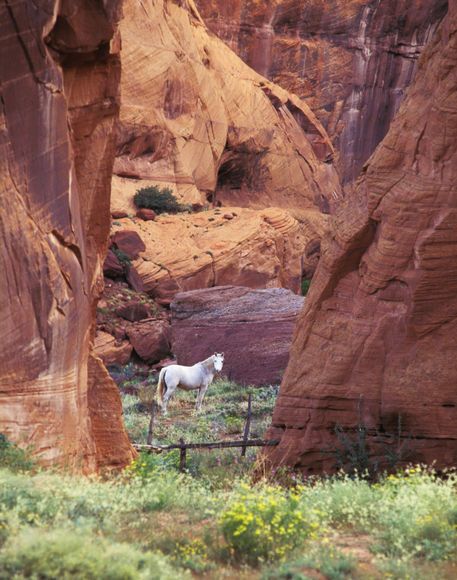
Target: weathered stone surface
x=133 y=311
x=151 y=339
x=59 y=76
x=255 y=248
x=119 y=214
x=129 y=242
x=146 y=214
x=112 y=267
x=110 y=350
x=380 y=321
x=195 y=118
x=351 y=60
x=252 y=327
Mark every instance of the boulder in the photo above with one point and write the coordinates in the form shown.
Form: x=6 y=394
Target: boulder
x=150 y=339
x=146 y=214
x=110 y=350
x=377 y=340
x=133 y=311
x=119 y=214
x=112 y=268
x=252 y=327
x=129 y=242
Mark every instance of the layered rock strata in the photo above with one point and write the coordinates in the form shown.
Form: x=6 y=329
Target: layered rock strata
x=351 y=60
x=377 y=340
x=59 y=73
x=194 y=117
x=213 y=248
x=252 y=327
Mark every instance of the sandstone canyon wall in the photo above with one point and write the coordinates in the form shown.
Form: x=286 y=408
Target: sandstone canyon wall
x=351 y=60
x=196 y=118
x=379 y=328
x=59 y=75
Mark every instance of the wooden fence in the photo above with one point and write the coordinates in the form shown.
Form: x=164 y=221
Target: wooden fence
x=183 y=446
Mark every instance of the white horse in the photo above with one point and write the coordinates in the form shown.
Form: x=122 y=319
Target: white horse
x=199 y=376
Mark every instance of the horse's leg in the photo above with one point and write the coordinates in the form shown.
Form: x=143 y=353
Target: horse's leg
x=201 y=394
x=171 y=388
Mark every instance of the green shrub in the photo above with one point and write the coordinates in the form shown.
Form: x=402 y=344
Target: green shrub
x=417 y=515
x=332 y=563
x=123 y=258
x=67 y=554
x=159 y=200
x=305 y=284
x=265 y=523
x=13 y=457
x=149 y=464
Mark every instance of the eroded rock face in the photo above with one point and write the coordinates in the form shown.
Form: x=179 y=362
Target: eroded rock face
x=379 y=330
x=351 y=60
x=111 y=351
x=59 y=72
x=213 y=248
x=194 y=117
x=252 y=327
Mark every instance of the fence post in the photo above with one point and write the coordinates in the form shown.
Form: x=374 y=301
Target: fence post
x=247 y=427
x=151 y=423
x=182 y=455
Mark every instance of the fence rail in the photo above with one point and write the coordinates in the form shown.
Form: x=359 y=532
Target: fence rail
x=183 y=447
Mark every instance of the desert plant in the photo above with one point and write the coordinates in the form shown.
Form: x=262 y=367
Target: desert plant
x=157 y=199
x=13 y=457
x=123 y=258
x=148 y=464
x=68 y=554
x=332 y=563
x=305 y=284
x=261 y=524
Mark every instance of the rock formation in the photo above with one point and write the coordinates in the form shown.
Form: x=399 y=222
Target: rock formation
x=252 y=327
x=194 y=117
x=59 y=77
x=236 y=246
x=111 y=351
x=379 y=330
x=351 y=60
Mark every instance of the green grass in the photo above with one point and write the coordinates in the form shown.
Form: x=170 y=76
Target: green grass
x=151 y=521
x=157 y=523
x=222 y=418
x=223 y=415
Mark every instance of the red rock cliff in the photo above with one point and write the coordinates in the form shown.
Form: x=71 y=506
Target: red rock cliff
x=59 y=73
x=350 y=59
x=194 y=117
x=380 y=321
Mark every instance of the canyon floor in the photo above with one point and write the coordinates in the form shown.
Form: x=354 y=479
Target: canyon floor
x=214 y=521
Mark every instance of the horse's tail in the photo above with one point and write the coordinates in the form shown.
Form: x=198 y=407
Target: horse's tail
x=161 y=387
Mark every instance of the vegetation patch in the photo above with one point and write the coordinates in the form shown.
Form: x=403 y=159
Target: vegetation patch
x=161 y=200
x=151 y=521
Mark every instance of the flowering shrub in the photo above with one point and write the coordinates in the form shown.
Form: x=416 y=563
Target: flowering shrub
x=265 y=523
x=148 y=464
x=13 y=457
x=418 y=515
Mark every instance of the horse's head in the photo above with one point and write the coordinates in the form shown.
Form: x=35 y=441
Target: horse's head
x=218 y=359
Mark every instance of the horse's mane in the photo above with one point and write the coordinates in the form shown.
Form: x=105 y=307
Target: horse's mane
x=208 y=361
